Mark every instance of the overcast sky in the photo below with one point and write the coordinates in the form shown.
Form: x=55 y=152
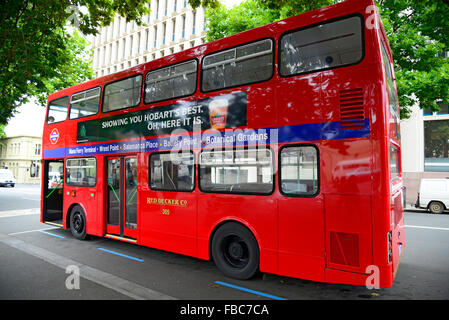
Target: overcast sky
x=29 y=119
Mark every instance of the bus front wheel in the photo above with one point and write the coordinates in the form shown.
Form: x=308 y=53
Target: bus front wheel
x=78 y=222
x=235 y=251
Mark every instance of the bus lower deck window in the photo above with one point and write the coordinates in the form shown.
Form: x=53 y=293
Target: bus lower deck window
x=299 y=171
x=172 y=171
x=81 y=172
x=237 y=171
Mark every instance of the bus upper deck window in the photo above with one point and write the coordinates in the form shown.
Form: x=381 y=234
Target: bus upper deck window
x=171 y=82
x=85 y=103
x=325 y=46
x=122 y=94
x=57 y=110
x=245 y=64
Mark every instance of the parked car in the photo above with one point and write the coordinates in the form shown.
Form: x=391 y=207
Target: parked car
x=7 y=178
x=433 y=195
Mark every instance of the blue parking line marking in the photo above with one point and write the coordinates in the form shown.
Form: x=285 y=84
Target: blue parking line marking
x=51 y=234
x=121 y=254
x=250 y=291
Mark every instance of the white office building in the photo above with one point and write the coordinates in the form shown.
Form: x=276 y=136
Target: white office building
x=172 y=26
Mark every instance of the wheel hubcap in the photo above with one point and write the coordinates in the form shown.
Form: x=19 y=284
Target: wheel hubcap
x=78 y=222
x=235 y=252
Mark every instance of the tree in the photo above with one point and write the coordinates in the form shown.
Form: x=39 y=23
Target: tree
x=39 y=55
x=418 y=32
x=223 y=22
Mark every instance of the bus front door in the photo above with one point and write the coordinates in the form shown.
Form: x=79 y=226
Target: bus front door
x=121 y=205
x=52 y=195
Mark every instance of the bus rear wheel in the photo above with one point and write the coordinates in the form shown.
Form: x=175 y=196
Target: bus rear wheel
x=78 y=222
x=235 y=251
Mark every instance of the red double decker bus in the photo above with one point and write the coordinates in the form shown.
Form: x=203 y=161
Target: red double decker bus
x=276 y=149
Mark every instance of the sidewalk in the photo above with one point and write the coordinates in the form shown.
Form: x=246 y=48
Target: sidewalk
x=411 y=208
x=21 y=212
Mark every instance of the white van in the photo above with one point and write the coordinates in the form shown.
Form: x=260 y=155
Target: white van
x=7 y=178
x=433 y=195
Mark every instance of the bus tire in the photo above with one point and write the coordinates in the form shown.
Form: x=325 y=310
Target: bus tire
x=78 y=222
x=436 y=207
x=235 y=251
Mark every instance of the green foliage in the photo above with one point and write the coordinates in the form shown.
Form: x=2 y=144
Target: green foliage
x=250 y=14
x=418 y=30
x=76 y=68
x=289 y=8
x=2 y=131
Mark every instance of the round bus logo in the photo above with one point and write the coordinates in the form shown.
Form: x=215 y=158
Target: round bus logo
x=54 y=136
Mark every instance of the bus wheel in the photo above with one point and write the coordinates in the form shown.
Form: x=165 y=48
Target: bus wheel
x=235 y=251
x=436 y=207
x=78 y=222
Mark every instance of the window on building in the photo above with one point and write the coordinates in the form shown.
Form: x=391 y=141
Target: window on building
x=328 y=45
x=123 y=46
x=171 y=82
x=172 y=171
x=245 y=171
x=299 y=171
x=116 y=54
x=436 y=145
x=148 y=39
x=122 y=94
x=444 y=108
x=183 y=19
x=37 y=149
x=428 y=112
x=111 y=54
x=245 y=64
x=81 y=172
x=57 y=110
x=85 y=103
x=194 y=22
x=138 y=42
x=34 y=169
